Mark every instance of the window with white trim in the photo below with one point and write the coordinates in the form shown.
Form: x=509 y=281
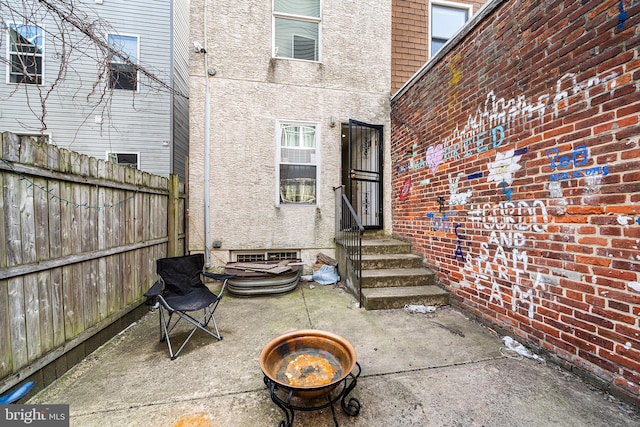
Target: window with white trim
x=296 y=29
x=131 y=160
x=297 y=171
x=446 y=19
x=25 y=51
x=123 y=70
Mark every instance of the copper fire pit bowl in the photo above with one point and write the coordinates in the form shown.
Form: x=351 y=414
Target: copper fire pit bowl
x=309 y=362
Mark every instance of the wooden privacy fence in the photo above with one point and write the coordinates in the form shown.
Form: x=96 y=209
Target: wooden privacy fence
x=78 y=250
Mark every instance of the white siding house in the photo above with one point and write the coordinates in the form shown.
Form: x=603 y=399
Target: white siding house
x=272 y=92
x=131 y=107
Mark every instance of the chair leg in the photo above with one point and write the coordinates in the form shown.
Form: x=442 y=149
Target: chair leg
x=167 y=327
x=164 y=332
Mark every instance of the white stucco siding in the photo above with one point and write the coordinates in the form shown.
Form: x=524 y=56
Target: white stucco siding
x=251 y=92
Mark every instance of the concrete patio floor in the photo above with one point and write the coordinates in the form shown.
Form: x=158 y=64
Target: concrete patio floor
x=436 y=369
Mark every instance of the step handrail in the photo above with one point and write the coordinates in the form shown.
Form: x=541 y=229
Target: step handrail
x=349 y=231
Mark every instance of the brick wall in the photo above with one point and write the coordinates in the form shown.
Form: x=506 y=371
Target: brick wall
x=515 y=172
x=410 y=34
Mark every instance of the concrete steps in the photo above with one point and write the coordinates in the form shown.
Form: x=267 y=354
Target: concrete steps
x=393 y=277
x=388 y=261
x=398 y=297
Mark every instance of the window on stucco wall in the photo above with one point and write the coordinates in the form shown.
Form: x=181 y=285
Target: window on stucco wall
x=446 y=19
x=296 y=29
x=297 y=163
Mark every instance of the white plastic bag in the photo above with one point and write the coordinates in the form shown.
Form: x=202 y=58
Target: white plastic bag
x=326 y=275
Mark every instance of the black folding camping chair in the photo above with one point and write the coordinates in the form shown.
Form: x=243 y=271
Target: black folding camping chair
x=180 y=290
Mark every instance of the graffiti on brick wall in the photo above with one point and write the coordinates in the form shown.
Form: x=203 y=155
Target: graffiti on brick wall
x=485 y=128
x=502 y=169
x=503 y=258
x=628 y=220
x=457 y=198
x=568 y=166
x=459 y=254
x=439 y=222
x=406 y=189
x=434 y=157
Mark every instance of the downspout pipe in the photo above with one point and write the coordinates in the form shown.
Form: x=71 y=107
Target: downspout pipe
x=207 y=146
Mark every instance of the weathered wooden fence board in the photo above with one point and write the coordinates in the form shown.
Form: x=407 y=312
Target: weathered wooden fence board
x=81 y=240
x=17 y=322
x=5 y=337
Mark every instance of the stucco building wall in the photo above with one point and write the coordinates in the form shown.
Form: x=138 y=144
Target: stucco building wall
x=250 y=92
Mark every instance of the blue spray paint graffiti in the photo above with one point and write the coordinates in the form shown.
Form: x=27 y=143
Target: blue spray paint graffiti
x=579 y=157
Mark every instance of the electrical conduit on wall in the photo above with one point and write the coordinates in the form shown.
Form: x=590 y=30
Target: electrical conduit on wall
x=207 y=147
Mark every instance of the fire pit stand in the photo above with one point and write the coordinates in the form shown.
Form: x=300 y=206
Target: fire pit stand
x=283 y=397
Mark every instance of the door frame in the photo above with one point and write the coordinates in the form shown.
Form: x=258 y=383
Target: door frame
x=362 y=171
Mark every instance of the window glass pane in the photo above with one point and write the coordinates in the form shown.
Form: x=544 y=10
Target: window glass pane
x=124 y=159
x=296 y=39
x=298 y=7
x=298 y=136
x=122 y=76
x=445 y=21
x=25 y=38
x=436 y=45
x=25 y=53
x=126 y=45
x=297 y=164
x=123 y=73
x=297 y=184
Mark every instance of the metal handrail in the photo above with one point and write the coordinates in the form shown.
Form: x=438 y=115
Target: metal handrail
x=349 y=231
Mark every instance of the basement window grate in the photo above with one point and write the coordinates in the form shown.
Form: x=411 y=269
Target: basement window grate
x=266 y=256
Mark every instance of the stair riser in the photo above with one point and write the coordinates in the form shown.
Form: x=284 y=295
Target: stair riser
x=400 y=302
x=395 y=281
x=386 y=249
x=385 y=264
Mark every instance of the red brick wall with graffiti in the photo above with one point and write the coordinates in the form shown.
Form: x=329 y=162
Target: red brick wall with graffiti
x=516 y=173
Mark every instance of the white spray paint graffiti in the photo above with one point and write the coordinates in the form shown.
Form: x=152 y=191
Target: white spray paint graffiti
x=625 y=220
x=456 y=198
x=502 y=169
x=486 y=126
x=506 y=223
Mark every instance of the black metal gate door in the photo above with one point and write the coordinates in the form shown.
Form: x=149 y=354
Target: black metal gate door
x=363 y=183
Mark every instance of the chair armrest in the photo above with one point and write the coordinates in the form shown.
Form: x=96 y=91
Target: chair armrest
x=216 y=276
x=155 y=290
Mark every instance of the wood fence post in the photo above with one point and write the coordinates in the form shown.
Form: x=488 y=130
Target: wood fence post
x=173 y=225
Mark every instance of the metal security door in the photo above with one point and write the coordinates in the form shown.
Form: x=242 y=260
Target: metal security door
x=363 y=183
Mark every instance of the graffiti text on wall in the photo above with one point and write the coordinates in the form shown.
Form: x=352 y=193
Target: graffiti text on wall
x=486 y=127
x=505 y=223
x=568 y=165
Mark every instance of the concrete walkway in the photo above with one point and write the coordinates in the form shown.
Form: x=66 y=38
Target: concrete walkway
x=438 y=369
